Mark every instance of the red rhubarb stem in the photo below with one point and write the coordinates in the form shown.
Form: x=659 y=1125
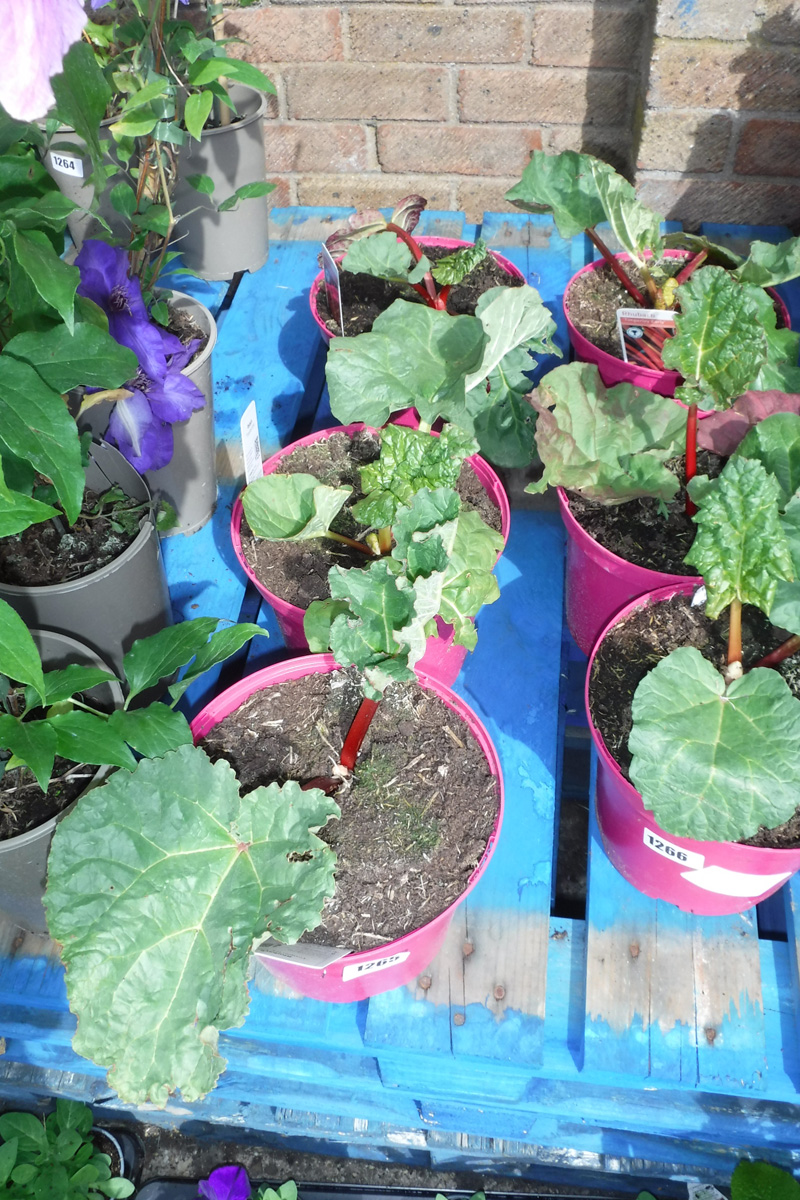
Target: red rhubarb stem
x=691 y=454
x=616 y=267
x=691 y=266
x=416 y=250
x=357 y=732
x=785 y=650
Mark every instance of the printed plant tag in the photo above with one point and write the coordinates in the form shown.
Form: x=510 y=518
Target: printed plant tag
x=67 y=164
x=251 y=443
x=331 y=273
x=667 y=849
x=375 y=964
x=301 y=954
x=642 y=333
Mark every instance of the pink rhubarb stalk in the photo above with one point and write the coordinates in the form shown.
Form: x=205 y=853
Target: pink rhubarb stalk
x=357 y=732
x=691 y=454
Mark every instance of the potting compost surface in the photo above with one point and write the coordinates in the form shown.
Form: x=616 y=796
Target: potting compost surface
x=364 y=297
x=594 y=297
x=641 y=531
x=297 y=572
x=416 y=814
x=23 y=804
x=634 y=646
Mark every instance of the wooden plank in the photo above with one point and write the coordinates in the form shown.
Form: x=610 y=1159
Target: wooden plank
x=490 y=1002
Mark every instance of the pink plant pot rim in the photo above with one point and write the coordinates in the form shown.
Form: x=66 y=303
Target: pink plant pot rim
x=755 y=858
x=291 y=615
x=448 y=243
x=296 y=668
x=663 y=382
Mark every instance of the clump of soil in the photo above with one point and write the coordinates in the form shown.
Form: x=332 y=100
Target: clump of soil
x=645 y=532
x=637 y=644
x=55 y=552
x=364 y=297
x=23 y=804
x=415 y=818
x=297 y=572
x=183 y=325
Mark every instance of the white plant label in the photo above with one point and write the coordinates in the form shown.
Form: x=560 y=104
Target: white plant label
x=251 y=443
x=375 y=964
x=686 y=858
x=331 y=273
x=316 y=958
x=67 y=164
x=723 y=882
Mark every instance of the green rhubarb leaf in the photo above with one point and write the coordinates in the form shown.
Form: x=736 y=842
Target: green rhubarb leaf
x=609 y=445
x=317 y=621
x=720 y=343
x=153 y=730
x=382 y=255
x=429 y=510
x=506 y=431
x=768 y=264
x=414 y=356
x=637 y=227
x=775 y=443
x=454 y=267
x=159 y=655
x=762 y=1181
x=409 y=460
x=291 y=508
x=88 y=356
x=740 y=548
x=785 y=611
x=19 y=658
x=563 y=184
x=32 y=743
x=468 y=583
x=512 y=318
x=158 y=884
x=780 y=372
x=715 y=762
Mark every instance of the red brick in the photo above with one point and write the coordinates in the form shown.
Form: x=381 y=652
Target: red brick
x=474 y=197
x=537 y=94
x=585 y=35
x=366 y=92
x=704 y=74
x=611 y=143
x=277 y=35
x=723 y=20
x=305 y=146
x=692 y=142
x=281 y=197
x=740 y=203
x=432 y=34
x=456 y=149
x=373 y=191
x=769 y=148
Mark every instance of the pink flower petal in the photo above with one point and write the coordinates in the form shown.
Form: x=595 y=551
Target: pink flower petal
x=34 y=37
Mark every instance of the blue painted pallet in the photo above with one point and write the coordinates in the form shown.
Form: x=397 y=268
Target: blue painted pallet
x=639 y=1040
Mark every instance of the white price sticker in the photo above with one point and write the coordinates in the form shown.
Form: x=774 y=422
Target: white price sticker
x=375 y=964
x=686 y=858
x=251 y=443
x=67 y=164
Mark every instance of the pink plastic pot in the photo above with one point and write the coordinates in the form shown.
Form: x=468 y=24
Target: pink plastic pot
x=710 y=878
x=366 y=972
x=599 y=583
x=615 y=370
x=442 y=659
x=448 y=243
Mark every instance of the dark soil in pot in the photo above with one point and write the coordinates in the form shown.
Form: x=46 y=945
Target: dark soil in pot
x=55 y=552
x=297 y=572
x=634 y=646
x=183 y=325
x=23 y=804
x=415 y=818
x=640 y=531
x=364 y=297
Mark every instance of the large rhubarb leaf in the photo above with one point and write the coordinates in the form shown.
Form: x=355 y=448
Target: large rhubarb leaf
x=740 y=548
x=414 y=356
x=158 y=884
x=512 y=318
x=780 y=370
x=380 y=606
x=715 y=762
x=768 y=264
x=637 y=228
x=722 y=431
x=506 y=429
x=291 y=508
x=785 y=611
x=563 y=184
x=382 y=255
x=409 y=460
x=775 y=443
x=468 y=582
x=720 y=342
x=608 y=445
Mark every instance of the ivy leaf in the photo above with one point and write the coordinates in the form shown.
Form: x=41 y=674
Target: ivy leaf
x=291 y=508
x=382 y=255
x=768 y=264
x=196 y=874
x=775 y=443
x=720 y=343
x=740 y=548
x=88 y=356
x=454 y=267
x=715 y=762
x=33 y=743
x=19 y=658
x=609 y=445
x=414 y=356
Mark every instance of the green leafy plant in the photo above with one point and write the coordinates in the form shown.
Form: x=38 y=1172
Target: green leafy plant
x=55 y=1157
x=750 y=1181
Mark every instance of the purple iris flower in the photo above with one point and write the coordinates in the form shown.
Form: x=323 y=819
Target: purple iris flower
x=225 y=1183
x=141 y=425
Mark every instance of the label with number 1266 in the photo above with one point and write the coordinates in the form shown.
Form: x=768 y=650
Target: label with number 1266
x=686 y=858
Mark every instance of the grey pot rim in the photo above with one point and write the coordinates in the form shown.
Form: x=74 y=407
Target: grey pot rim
x=211 y=321
x=243 y=122
x=94 y=660
x=146 y=526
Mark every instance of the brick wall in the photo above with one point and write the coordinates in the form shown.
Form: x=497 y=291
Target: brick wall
x=378 y=98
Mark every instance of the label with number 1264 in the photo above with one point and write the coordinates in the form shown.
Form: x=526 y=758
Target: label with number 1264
x=66 y=164
x=686 y=858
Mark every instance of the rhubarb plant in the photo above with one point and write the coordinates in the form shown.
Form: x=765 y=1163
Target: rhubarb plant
x=716 y=756
x=608 y=444
x=160 y=883
x=469 y=371
x=386 y=249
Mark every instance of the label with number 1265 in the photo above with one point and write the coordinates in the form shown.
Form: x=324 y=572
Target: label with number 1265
x=686 y=858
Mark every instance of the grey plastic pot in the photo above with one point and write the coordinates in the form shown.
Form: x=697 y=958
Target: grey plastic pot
x=70 y=171
x=216 y=245
x=125 y=600
x=23 y=859
x=189 y=480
